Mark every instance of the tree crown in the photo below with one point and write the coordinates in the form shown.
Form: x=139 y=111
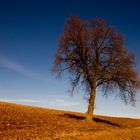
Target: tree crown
x=89 y=49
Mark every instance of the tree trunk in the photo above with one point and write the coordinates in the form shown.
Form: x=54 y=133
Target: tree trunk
x=91 y=104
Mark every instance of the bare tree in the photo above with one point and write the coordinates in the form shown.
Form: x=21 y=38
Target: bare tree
x=95 y=55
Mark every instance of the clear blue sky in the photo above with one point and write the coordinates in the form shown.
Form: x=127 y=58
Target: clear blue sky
x=29 y=32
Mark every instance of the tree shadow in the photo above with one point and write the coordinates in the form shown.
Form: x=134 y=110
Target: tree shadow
x=105 y=121
x=95 y=119
x=73 y=116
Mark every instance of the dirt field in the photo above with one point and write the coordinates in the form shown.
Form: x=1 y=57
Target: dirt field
x=19 y=122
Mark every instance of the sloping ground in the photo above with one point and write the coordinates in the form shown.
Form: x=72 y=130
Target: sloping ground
x=19 y=122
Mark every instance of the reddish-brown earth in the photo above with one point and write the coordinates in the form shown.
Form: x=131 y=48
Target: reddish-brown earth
x=19 y=122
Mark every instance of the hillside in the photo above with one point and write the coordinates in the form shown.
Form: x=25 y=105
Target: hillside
x=26 y=123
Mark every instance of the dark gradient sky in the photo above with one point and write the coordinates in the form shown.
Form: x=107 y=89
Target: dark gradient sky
x=29 y=32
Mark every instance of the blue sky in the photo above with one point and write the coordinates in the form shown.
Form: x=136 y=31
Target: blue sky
x=29 y=32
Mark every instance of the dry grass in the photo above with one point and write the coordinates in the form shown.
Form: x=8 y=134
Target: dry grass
x=18 y=122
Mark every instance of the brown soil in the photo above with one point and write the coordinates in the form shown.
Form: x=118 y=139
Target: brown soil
x=19 y=122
